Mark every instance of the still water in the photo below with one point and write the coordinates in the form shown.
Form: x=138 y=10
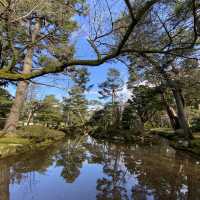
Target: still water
x=84 y=169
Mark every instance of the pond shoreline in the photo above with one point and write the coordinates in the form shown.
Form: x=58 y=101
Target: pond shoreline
x=84 y=168
x=178 y=143
x=38 y=138
x=27 y=140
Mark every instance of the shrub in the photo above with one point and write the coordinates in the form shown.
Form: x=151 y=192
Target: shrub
x=195 y=124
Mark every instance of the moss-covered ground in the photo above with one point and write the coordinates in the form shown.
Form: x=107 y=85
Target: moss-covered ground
x=28 y=139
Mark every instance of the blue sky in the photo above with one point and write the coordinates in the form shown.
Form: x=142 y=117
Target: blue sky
x=98 y=75
x=83 y=50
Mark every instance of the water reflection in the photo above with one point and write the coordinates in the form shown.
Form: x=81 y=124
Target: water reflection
x=13 y=171
x=4 y=182
x=71 y=157
x=84 y=169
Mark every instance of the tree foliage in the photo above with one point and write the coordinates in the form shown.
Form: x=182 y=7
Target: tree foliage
x=75 y=105
x=146 y=102
x=5 y=102
x=112 y=85
x=50 y=114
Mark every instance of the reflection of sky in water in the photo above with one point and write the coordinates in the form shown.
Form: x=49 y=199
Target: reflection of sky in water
x=50 y=186
x=142 y=172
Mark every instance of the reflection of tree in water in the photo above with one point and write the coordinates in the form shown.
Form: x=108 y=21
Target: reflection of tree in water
x=37 y=161
x=97 y=152
x=112 y=186
x=161 y=177
x=16 y=169
x=20 y=168
x=71 y=157
x=4 y=181
x=135 y=172
x=157 y=172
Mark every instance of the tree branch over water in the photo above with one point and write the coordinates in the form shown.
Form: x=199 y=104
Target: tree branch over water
x=135 y=16
x=113 y=53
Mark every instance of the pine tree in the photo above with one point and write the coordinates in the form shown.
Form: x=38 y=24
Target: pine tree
x=109 y=89
x=75 y=105
x=111 y=85
x=5 y=104
x=50 y=113
x=35 y=33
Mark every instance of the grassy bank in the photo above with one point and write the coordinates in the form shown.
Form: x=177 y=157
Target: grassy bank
x=28 y=139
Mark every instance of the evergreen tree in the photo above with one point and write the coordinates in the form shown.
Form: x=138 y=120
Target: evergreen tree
x=102 y=119
x=34 y=34
x=111 y=86
x=129 y=117
x=5 y=104
x=109 y=89
x=50 y=113
x=146 y=102
x=75 y=105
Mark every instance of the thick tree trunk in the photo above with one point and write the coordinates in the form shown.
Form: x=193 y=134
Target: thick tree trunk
x=181 y=114
x=180 y=107
x=173 y=117
x=171 y=113
x=13 y=118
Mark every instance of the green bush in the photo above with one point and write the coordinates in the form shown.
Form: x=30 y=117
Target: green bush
x=195 y=143
x=195 y=124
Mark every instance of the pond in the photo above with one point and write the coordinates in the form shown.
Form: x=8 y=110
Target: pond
x=84 y=169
